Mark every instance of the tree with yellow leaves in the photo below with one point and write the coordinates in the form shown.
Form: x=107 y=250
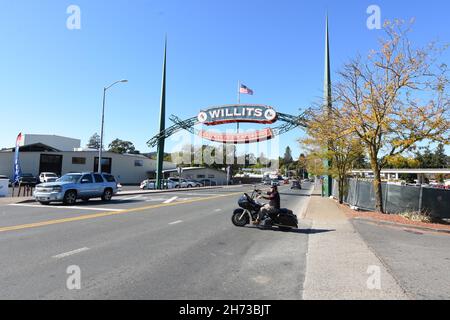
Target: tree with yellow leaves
x=394 y=99
x=328 y=139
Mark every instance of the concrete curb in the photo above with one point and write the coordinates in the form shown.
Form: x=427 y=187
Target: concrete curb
x=401 y=225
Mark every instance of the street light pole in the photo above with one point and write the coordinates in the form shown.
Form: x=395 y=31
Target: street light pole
x=100 y=151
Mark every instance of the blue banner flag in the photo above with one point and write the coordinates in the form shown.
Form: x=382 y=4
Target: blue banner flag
x=17 y=169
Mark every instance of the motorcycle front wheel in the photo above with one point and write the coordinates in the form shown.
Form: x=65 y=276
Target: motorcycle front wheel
x=239 y=219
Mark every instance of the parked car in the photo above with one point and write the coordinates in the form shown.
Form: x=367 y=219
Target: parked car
x=182 y=183
x=168 y=184
x=73 y=186
x=47 y=177
x=27 y=178
x=208 y=183
x=151 y=184
x=148 y=185
x=194 y=184
x=199 y=183
x=275 y=183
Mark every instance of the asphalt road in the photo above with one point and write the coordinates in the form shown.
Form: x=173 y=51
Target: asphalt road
x=164 y=246
x=419 y=261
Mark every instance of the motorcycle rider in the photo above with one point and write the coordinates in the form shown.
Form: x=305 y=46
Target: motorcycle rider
x=274 y=204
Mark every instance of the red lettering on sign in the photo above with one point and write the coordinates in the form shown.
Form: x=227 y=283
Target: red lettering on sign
x=238 y=138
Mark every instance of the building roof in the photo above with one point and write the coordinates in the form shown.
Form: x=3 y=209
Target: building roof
x=35 y=147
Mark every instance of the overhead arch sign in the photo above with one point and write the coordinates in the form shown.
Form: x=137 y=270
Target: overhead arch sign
x=238 y=113
x=238 y=138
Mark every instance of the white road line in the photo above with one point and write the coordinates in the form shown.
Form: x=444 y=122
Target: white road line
x=156 y=200
x=176 y=222
x=70 y=253
x=171 y=200
x=130 y=198
x=200 y=194
x=217 y=210
x=63 y=207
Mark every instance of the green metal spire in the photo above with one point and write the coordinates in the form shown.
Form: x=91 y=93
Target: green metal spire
x=328 y=182
x=162 y=124
x=327 y=78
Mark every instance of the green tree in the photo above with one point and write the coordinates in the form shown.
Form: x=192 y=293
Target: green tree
x=302 y=164
x=361 y=161
x=287 y=159
x=94 y=142
x=440 y=157
x=121 y=147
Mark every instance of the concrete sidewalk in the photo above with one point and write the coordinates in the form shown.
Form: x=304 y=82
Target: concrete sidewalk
x=340 y=265
x=12 y=200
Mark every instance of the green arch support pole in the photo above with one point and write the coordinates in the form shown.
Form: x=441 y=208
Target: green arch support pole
x=162 y=124
x=327 y=188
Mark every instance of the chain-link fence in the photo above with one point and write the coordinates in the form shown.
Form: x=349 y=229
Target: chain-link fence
x=397 y=199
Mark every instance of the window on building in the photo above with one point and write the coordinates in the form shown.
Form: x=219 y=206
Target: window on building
x=201 y=176
x=211 y=176
x=138 y=163
x=78 y=160
x=106 y=165
x=51 y=163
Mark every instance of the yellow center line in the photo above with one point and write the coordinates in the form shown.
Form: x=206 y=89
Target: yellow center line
x=108 y=214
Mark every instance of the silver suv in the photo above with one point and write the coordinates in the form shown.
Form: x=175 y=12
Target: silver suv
x=73 y=186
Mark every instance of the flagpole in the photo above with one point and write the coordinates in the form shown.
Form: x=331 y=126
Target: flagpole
x=239 y=100
x=239 y=92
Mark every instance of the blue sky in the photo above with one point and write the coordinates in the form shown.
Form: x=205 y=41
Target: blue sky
x=52 y=77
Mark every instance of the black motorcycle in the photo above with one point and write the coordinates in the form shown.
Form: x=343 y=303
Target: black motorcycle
x=284 y=219
x=296 y=185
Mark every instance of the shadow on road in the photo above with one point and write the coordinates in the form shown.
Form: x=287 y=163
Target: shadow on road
x=298 y=231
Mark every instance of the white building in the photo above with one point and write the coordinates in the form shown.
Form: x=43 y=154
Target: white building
x=39 y=157
x=200 y=173
x=57 y=142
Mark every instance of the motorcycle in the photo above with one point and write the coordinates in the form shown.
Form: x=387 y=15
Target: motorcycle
x=249 y=209
x=296 y=185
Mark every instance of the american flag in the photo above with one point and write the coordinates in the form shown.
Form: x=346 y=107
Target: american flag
x=245 y=90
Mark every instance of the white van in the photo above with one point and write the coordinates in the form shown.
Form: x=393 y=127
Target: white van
x=45 y=177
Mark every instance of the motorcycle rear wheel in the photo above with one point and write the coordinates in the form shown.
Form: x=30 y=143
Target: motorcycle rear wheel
x=237 y=220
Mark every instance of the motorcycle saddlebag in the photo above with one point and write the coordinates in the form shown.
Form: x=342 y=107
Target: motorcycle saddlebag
x=287 y=217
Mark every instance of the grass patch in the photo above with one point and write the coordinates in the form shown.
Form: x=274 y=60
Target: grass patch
x=418 y=216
